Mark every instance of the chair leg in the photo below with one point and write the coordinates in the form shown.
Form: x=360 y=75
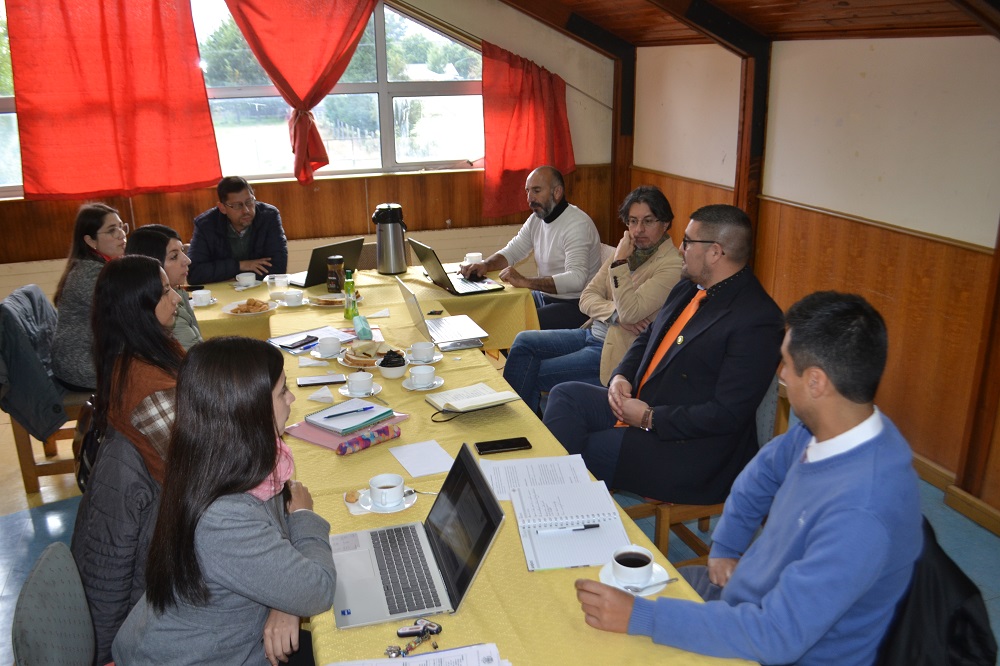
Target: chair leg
x=25 y=456
x=50 y=448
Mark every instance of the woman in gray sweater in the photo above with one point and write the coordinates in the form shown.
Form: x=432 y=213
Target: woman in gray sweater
x=98 y=237
x=237 y=555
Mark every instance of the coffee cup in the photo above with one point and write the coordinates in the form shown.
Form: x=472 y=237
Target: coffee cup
x=328 y=346
x=246 y=279
x=422 y=376
x=293 y=297
x=386 y=490
x=359 y=383
x=473 y=257
x=201 y=297
x=632 y=565
x=422 y=351
x=277 y=285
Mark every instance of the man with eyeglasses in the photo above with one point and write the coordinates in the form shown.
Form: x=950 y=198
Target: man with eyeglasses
x=678 y=420
x=239 y=235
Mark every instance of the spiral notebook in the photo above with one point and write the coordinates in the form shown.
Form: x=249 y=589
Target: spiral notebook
x=570 y=525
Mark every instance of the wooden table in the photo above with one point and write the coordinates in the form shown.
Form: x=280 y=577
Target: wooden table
x=532 y=616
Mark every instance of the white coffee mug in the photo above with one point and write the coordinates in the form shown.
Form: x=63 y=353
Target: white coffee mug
x=246 y=279
x=293 y=297
x=473 y=257
x=386 y=490
x=328 y=346
x=632 y=565
x=359 y=383
x=422 y=351
x=201 y=297
x=422 y=376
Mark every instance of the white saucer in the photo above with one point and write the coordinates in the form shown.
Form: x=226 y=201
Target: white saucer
x=437 y=357
x=316 y=354
x=237 y=285
x=438 y=383
x=365 y=501
x=659 y=572
x=376 y=389
x=213 y=301
x=305 y=301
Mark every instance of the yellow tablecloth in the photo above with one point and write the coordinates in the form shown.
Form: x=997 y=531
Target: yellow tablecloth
x=532 y=616
x=502 y=314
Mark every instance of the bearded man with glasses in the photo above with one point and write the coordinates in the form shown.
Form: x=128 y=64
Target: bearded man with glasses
x=239 y=235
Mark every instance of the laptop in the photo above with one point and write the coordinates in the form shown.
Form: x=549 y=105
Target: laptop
x=446 y=552
x=350 y=250
x=452 y=283
x=443 y=330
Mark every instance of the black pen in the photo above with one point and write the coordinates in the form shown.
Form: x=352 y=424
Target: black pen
x=569 y=528
x=353 y=411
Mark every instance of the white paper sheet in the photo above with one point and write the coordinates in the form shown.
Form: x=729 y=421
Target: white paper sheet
x=423 y=458
x=526 y=472
x=484 y=654
x=322 y=395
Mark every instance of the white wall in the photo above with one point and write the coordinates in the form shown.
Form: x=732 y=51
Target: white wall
x=589 y=75
x=903 y=131
x=687 y=112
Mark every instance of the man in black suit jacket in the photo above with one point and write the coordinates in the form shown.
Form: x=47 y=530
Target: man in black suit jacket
x=685 y=431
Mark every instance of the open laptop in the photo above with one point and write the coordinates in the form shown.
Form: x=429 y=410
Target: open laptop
x=350 y=250
x=452 y=283
x=450 y=547
x=456 y=328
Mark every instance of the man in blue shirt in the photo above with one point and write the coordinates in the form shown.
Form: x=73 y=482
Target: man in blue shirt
x=239 y=235
x=821 y=582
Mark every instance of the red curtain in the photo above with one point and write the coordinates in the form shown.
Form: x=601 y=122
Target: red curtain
x=110 y=99
x=304 y=46
x=524 y=113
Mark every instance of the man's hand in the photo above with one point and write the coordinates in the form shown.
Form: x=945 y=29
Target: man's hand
x=625 y=247
x=604 y=607
x=511 y=276
x=281 y=636
x=638 y=327
x=301 y=499
x=475 y=270
x=258 y=266
x=720 y=569
x=619 y=390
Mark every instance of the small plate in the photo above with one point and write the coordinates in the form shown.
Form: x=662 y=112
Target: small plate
x=338 y=302
x=237 y=285
x=365 y=501
x=316 y=354
x=376 y=389
x=608 y=578
x=438 y=383
x=228 y=309
x=213 y=301
x=305 y=301
x=434 y=359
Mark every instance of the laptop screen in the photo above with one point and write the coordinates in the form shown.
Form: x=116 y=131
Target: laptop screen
x=462 y=524
x=413 y=305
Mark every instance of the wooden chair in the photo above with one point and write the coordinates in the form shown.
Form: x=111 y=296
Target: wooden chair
x=31 y=468
x=671 y=517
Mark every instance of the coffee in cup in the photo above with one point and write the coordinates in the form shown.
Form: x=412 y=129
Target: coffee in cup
x=422 y=376
x=201 y=297
x=386 y=490
x=328 y=346
x=422 y=351
x=246 y=279
x=632 y=565
x=359 y=383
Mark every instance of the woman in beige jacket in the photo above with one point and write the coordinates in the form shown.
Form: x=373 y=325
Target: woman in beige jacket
x=621 y=300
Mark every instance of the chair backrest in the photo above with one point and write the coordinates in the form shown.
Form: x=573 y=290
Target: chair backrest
x=607 y=251
x=51 y=619
x=767 y=411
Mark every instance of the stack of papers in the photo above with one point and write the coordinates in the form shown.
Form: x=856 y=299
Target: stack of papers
x=349 y=416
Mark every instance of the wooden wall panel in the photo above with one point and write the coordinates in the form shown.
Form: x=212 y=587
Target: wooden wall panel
x=929 y=291
x=38 y=230
x=685 y=196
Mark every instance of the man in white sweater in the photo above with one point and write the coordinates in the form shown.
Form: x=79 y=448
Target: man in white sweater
x=567 y=251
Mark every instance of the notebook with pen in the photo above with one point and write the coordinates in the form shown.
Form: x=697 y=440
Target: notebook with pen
x=568 y=525
x=349 y=416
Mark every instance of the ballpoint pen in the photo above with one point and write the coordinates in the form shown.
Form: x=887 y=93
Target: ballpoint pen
x=309 y=346
x=569 y=528
x=353 y=411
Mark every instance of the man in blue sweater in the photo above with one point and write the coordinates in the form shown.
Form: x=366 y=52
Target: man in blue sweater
x=820 y=583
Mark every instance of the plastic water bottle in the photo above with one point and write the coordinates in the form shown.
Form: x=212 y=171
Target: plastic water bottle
x=350 y=303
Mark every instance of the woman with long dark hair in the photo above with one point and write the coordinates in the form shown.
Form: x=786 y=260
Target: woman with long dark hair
x=229 y=545
x=164 y=244
x=98 y=237
x=137 y=364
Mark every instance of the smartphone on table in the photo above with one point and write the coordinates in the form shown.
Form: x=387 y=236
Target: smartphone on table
x=503 y=445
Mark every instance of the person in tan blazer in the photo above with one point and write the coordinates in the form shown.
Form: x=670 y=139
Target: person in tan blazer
x=620 y=301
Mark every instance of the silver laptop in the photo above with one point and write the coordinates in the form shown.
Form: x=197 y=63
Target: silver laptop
x=406 y=571
x=350 y=250
x=450 y=282
x=443 y=329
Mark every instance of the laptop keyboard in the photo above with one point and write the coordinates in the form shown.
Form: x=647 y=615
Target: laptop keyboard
x=406 y=578
x=464 y=286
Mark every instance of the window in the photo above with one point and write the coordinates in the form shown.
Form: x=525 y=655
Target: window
x=424 y=85
x=10 y=147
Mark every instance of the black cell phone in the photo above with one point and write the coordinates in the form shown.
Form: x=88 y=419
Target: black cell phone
x=193 y=287
x=502 y=445
x=321 y=380
x=309 y=339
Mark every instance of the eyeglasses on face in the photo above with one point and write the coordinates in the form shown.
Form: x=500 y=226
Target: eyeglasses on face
x=117 y=230
x=241 y=205
x=687 y=241
x=645 y=223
